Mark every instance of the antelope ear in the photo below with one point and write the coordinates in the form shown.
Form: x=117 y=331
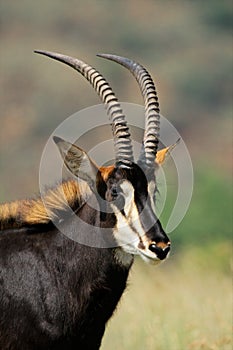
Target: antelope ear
x=77 y=161
x=161 y=154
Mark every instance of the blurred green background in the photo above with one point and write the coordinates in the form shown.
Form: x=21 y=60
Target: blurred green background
x=187 y=46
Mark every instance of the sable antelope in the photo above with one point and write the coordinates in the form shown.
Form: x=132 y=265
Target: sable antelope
x=56 y=293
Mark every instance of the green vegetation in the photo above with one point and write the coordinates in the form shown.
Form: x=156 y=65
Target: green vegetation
x=177 y=306
x=209 y=217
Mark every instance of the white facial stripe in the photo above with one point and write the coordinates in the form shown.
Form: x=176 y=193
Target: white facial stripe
x=151 y=191
x=128 y=191
x=129 y=230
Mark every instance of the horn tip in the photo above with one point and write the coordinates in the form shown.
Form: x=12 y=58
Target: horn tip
x=57 y=139
x=107 y=55
x=103 y=55
x=45 y=53
x=40 y=51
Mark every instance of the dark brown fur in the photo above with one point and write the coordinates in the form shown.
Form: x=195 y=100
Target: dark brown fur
x=56 y=293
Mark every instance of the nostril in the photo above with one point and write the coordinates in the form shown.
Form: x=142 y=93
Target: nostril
x=153 y=247
x=160 y=252
x=166 y=251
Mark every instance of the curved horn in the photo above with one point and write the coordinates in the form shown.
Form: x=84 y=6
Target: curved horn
x=122 y=142
x=152 y=122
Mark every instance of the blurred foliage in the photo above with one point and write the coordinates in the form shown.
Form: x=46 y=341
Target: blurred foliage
x=209 y=217
x=178 y=306
x=219 y=15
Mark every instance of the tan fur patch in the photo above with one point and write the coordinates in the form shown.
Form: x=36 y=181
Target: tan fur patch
x=105 y=171
x=9 y=213
x=42 y=210
x=162 y=245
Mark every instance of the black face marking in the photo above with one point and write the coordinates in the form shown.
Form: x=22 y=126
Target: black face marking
x=136 y=177
x=150 y=223
x=114 y=192
x=140 y=217
x=161 y=253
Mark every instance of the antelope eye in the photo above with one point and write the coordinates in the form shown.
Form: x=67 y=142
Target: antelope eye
x=114 y=192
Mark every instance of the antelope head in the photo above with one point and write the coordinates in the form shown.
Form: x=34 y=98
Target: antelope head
x=127 y=187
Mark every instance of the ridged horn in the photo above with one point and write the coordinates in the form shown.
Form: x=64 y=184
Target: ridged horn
x=152 y=117
x=122 y=141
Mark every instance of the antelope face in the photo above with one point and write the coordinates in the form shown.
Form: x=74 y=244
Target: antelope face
x=137 y=229
x=124 y=186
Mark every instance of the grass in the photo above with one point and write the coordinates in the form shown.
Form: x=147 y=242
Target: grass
x=180 y=305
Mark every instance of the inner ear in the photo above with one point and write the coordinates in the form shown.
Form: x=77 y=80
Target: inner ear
x=77 y=161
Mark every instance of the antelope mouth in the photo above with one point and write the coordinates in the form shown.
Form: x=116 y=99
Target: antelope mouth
x=149 y=258
x=154 y=257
